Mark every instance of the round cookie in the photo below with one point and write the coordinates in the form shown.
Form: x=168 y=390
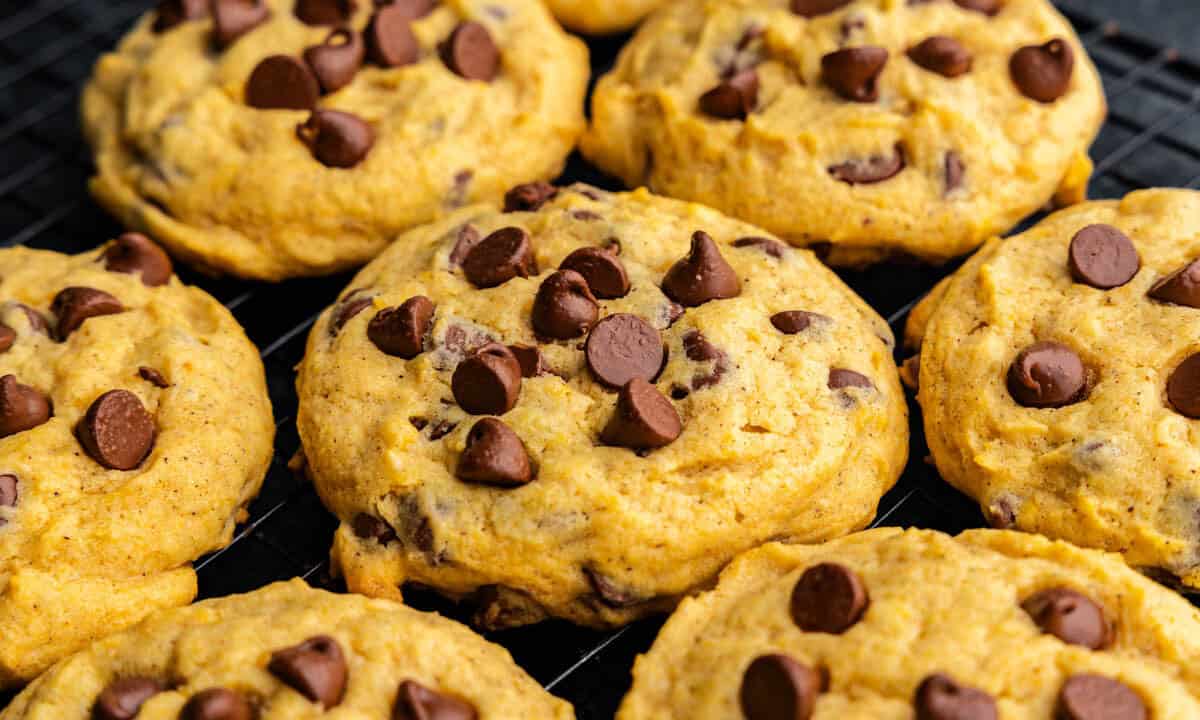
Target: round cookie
x=286 y=652
x=891 y=625
x=263 y=142
x=1056 y=382
x=595 y=441
x=601 y=17
x=134 y=428
x=866 y=128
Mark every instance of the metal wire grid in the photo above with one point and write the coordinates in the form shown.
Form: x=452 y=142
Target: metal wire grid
x=47 y=47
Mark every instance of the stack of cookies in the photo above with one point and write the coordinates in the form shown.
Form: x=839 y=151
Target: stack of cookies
x=558 y=401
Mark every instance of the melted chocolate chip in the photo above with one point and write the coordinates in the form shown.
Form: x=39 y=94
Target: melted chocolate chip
x=702 y=275
x=488 y=382
x=21 y=407
x=217 y=704
x=954 y=171
x=282 y=82
x=564 y=307
x=350 y=306
x=622 y=347
x=643 y=420
x=813 y=8
x=699 y=349
x=417 y=702
x=987 y=7
x=733 y=98
x=8 y=490
x=776 y=687
x=1047 y=375
x=135 y=254
x=866 y=171
x=123 y=698
x=466 y=238
x=531 y=360
x=1181 y=287
x=117 y=432
x=402 y=331
x=790 y=322
x=1095 y=697
x=234 y=18
x=389 y=37
x=770 y=247
x=1103 y=257
x=602 y=269
x=470 y=52
x=173 y=12
x=500 y=257
x=1183 y=388
x=324 y=12
x=336 y=139
x=1070 y=616
x=369 y=527
x=1043 y=72
x=853 y=72
x=608 y=591
x=829 y=598
x=8 y=336
x=529 y=197
x=336 y=60
x=842 y=378
x=942 y=55
x=316 y=668
x=153 y=377
x=74 y=305
x=494 y=455
x=940 y=697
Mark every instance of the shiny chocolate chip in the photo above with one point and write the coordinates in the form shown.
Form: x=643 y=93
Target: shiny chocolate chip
x=529 y=197
x=1181 y=287
x=500 y=257
x=643 y=419
x=733 y=98
x=417 y=702
x=854 y=72
x=766 y=245
x=940 y=697
x=153 y=377
x=21 y=407
x=603 y=270
x=1047 y=375
x=282 y=82
x=1183 y=387
x=622 y=347
x=813 y=8
x=531 y=360
x=702 y=275
x=942 y=55
x=790 y=322
x=74 y=305
x=234 y=18
x=389 y=37
x=1070 y=616
x=349 y=307
x=117 y=431
x=488 y=382
x=135 y=254
x=466 y=238
x=776 y=687
x=217 y=704
x=470 y=52
x=316 y=668
x=494 y=455
x=336 y=60
x=829 y=598
x=1095 y=697
x=842 y=378
x=123 y=698
x=564 y=306
x=324 y=12
x=1102 y=256
x=369 y=527
x=8 y=336
x=402 y=331
x=336 y=139
x=870 y=170
x=1043 y=72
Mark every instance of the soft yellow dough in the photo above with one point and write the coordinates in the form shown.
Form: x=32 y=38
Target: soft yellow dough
x=938 y=604
x=768 y=451
x=231 y=189
x=600 y=17
x=227 y=642
x=87 y=551
x=772 y=169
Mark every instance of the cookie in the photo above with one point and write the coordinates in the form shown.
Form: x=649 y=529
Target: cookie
x=278 y=138
x=586 y=406
x=867 y=129
x=598 y=17
x=134 y=428
x=902 y=624
x=1057 y=379
x=288 y=651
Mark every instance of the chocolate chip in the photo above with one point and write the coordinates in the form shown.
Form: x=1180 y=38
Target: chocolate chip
x=609 y=592
x=324 y=12
x=73 y=305
x=21 y=407
x=282 y=82
x=466 y=238
x=442 y=429
x=173 y=12
x=813 y=8
x=1181 y=287
x=369 y=527
x=337 y=139
x=865 y=171
x=135 y=254
x=217 y=704
x=1001 y=513
x=699 y=349
x=37 y=323
x=1103 y=257
x=853 y=72
x=1070 y=616
x=1043 y=72
x=349 y=306
x=942 y=55
x=954 y=170
x=123 y=698
x=622 y=347
x=316 y=668
x=987 y=7
x=500 y=607
x=8 y=492
x=8 y=336
x=602 y=269
x=842 y=378
x=776 y=687
x=828 y=598
x=733 y=98
x=494 y=455
x=1047 y=375
x=643 y=420
x=1183 y=387
x=790 y=322
x=390 y=39
x=939 y=697
x=529 y=197
x=336 y=60
x=417 y=702
x=117 y=432
x=153 y=377
x=766 y=245
x=488 y=382
x=500 y=257
x=530 y=358
x=564 y=307
x=470 y=52
x=1095 y=697
x=234 y=18
x=401 y=331
x=702 y=275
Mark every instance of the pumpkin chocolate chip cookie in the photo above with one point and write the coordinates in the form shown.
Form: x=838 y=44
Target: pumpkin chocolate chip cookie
x=866 y=128
x=1060 y=379
x=285 y=652
x=276 y=138
x=585 y=406
x=134 y=427
x=989 y=625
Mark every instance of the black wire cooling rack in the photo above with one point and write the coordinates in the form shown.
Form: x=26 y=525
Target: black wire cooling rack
x=47 y=48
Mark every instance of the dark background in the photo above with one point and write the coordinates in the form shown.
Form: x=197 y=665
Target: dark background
x=1147 y=51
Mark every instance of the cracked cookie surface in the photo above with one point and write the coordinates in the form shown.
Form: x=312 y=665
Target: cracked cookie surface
x=288 y=652
x=134 y=428
x=988 y=624
x=202 y=133
x=652 y=386
x=1055 y=382
x=869 y=129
